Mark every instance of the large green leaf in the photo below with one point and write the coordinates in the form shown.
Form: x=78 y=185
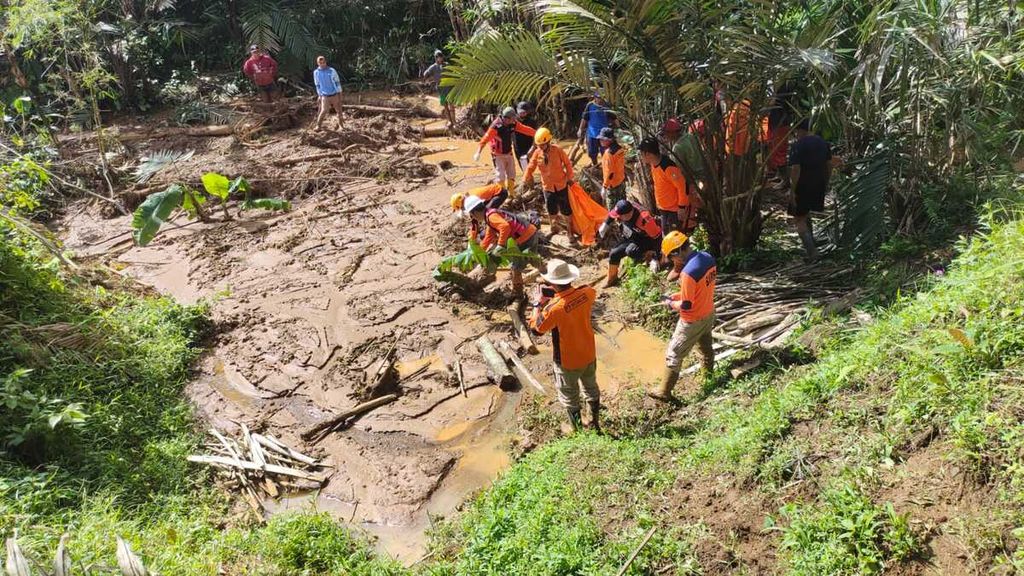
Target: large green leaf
x=152 y=213
x=217 y=185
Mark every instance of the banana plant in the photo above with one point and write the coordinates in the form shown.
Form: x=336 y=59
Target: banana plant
x=474 y=255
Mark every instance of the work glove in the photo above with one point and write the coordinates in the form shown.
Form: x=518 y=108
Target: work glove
x=476 y=156
x=669 y=302
x=602 y=229
x=653 y=265
x=496 y=251
x=604 y=194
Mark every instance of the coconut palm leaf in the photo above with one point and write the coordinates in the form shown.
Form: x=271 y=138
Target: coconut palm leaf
x=498 y=69
x=278 y=28
x=157 y=161
x=859 y=218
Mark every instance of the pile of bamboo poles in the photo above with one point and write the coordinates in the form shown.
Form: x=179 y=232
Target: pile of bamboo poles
x=258 y=465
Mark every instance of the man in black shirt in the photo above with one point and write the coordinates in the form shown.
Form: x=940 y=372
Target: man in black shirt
x=810 y=170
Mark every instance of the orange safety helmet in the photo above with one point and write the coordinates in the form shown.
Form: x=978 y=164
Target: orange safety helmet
x=673 y=241
x=543 y=136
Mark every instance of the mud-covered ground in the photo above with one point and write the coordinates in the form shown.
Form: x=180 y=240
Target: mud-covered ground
x=307 y=302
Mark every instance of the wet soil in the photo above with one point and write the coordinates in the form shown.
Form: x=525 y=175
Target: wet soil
x=307 y=302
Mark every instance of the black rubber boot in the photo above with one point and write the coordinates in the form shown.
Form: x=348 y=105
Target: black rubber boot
x=595 y=410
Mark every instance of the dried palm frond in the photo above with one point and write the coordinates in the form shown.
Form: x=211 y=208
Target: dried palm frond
x=157 y=161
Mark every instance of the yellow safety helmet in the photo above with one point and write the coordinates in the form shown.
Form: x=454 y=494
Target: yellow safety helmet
x=543 y=136
x=673 y=241
x=457 y=200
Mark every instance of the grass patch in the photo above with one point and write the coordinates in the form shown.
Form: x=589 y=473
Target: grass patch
x=95 y=429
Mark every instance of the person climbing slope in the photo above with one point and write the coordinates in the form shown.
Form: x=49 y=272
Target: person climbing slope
x=613 y=168
x=564 y=310
x=555 y=176
x=493 y=195
x=499 y=136
x=498 y=227
x=695 y=303
x=641 y=236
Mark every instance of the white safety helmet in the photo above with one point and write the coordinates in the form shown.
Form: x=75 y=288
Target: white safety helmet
x=472 y=203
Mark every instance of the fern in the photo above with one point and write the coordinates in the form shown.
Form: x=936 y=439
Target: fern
x=157 y=161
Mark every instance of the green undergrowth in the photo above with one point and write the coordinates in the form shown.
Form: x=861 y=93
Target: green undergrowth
x=946 y=362
x=95 y=429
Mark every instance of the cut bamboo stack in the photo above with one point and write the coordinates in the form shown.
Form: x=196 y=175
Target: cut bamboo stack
x=261 y=465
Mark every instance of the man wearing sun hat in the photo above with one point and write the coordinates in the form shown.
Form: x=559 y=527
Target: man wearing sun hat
x=695 y=304
x=564 y=310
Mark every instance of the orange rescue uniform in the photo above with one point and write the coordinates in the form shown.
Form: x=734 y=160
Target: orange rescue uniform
x=669 y=186
x=737 y=129
x=500 y=229
x=567 y=317
x=613 y=166
x=696 y=296
x=487 y=192
x=555 y=168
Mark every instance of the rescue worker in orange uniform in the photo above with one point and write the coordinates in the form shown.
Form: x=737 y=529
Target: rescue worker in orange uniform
x=676 y=209
x=565 y=310
x=493 y=195
x=499 y=226
x=695 y=303
x=499 y=136
x=555 y=176
x=641 y=236
x=613 y=168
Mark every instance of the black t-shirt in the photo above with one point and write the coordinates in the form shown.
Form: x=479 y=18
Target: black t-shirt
x=522 y=141
x=812 y=153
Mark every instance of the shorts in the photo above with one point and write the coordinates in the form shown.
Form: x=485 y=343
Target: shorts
x=807 y=201
x=330 y=101
x=504 y=167
x=568 y=384
x=686 y=336
x=272 y=87
x=557 y=202
x=593 y=148
x=669 y=220
x=442 y=94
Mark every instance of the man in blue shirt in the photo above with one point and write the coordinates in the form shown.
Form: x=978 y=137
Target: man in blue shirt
x=595 y=117
x=328 y=90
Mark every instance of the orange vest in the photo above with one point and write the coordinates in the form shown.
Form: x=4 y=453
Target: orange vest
x=696 y=295
x=613 y=166
x=555 y=172
x=567 y=317
x=669 y=186
x=485 y=193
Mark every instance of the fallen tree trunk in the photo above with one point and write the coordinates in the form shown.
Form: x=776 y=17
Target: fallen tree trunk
x=522 y=332
x=500 y=374
x=527 y=375
x=409 y=111
x=317 y=432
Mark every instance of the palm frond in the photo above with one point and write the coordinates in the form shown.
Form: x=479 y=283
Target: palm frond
x=502 y=68
x=157 y=161
x=859 y=218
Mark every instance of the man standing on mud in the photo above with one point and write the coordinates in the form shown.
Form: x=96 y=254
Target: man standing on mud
x=695 y=304
x=433 y=75
x=523 y=143
x=565 y=311
x=328 y=90
x=262 y=70
x=499 y=136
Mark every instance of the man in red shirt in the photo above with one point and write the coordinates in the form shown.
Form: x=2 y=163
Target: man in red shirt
x=696 y=307
x=564 y=310
x=262 y=70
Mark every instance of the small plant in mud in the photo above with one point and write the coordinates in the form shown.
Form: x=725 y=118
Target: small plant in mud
x=474 y=255
x=643 y=292
x=157 y=208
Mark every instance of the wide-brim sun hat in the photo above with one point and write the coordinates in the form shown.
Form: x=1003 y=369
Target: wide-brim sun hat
x=560 y=272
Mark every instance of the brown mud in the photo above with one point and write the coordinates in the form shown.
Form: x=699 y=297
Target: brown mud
x=306 y=303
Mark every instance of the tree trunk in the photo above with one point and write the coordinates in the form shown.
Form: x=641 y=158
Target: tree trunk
x=19 y=76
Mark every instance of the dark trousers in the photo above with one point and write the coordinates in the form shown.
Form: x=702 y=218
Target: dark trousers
x=633 y=248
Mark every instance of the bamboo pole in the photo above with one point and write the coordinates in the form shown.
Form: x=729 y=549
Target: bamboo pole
x=317 y=432
x=500 y=373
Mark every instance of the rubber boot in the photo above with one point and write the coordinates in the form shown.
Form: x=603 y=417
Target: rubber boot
x=575 y=420
x=668 y=382
x=517 y=286
x=595 y=419
x=613 y=276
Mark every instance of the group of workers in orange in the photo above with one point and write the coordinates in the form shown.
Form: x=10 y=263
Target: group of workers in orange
x=562 y=306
